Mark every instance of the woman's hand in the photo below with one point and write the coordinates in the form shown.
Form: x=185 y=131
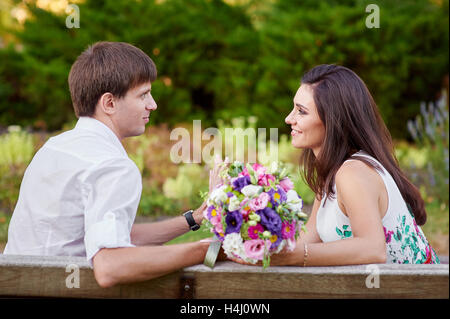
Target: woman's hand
x=283 y=258
x=214 y=181
x=214 y=173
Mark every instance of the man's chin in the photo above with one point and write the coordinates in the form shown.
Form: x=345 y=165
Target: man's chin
x=136 y=132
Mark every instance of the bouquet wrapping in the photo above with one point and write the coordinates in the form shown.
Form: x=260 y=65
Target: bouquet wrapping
x=254 y=213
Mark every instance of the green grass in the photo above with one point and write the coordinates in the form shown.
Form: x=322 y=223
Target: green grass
x=4 y=223
x=191 y=236
x=436 y=228
x=437 y=218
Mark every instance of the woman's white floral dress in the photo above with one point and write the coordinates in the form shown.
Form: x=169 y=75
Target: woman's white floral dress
x=405 y=240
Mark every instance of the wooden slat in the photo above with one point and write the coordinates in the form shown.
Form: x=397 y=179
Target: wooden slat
x=396 y=281
x=37 y=276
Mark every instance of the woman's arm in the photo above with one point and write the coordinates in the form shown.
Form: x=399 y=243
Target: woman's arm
x=311 y=235
x=359 y=189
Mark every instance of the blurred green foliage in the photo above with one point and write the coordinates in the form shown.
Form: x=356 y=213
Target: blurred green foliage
x=16 y=151
x=219 y=60
x=428 y=164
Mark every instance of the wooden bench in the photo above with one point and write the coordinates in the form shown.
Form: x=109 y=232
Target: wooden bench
x=38 y=276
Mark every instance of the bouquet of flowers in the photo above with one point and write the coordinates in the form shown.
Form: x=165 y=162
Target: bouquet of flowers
x=255 y=212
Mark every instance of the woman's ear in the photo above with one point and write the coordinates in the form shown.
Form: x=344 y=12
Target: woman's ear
x=107 y=103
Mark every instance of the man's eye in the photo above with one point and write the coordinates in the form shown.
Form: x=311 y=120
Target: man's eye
x=146 y=94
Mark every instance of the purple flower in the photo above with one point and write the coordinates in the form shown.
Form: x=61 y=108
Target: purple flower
x=210 y=212
x=271 y=220
x=234 y=222
x=275 y=240
x=241 y=182
x=277 y=196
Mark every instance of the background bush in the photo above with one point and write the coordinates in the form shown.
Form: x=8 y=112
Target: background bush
x=218 y=60
x=230 y=63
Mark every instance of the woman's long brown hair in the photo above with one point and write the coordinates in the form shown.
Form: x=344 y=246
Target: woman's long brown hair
x=352 y=123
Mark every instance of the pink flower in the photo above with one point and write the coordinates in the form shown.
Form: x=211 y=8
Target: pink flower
x=244 y=172
x=245 y=212
x=255 y=248
x=254 y=230
x=291 y=243
x=260 y=202
x=264 y=180
x=216 y=220
x=286 y=184
x=259 y=169
x=288 y=229
x=216 y=216
x=219 y=228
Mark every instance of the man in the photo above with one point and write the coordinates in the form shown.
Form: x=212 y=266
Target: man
x=80 y=193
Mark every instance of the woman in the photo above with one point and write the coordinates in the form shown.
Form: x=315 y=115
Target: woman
x=362 y=210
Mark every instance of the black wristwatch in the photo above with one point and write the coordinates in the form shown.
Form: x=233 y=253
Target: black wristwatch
x=191 y=221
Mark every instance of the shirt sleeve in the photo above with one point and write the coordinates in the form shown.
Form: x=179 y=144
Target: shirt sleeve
x=112 y=192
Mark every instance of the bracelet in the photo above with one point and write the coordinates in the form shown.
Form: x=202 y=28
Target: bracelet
x=305 y=256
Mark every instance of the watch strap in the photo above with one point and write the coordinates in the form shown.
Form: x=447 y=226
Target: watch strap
x=190 y=220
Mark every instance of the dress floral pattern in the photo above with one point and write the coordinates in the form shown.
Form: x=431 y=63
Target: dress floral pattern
x=345 y=232
x=405 y=240
x=408 y=239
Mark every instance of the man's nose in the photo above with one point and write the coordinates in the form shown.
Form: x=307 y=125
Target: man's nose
x=152 y=105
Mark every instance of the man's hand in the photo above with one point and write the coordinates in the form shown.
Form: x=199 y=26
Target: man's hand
x=198 y=213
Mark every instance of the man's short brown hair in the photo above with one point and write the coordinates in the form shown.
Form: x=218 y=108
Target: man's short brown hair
x=113 y=67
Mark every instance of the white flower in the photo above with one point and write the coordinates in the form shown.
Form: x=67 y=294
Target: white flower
x=251 y=190
x=301 y=214
x=294 y=203
x=252 y=222
x=281 y=246
x=233 y=245
x=234 y=204
x=291 y=243
x=273 y=168
x=218 y=196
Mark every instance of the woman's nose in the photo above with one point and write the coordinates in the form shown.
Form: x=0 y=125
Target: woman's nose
x=289 y=119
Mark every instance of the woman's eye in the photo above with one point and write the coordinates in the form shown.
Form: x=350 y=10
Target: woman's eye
x=302 y=112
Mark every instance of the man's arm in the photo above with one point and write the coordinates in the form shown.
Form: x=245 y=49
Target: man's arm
x=114 y=266
x=161 y=232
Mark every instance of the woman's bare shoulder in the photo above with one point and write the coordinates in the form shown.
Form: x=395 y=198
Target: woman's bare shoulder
x=357 y=173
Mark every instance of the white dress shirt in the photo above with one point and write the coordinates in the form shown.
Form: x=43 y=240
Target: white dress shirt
x=79 y=194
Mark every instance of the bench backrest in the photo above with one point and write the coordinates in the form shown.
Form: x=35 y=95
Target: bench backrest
x=39 y=276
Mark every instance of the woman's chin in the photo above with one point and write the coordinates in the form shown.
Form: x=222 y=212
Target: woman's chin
x=297 y=144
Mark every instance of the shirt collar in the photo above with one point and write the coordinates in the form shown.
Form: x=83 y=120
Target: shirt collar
x=98 y=127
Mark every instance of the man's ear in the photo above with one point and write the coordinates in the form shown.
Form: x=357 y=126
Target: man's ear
x=107 y=103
